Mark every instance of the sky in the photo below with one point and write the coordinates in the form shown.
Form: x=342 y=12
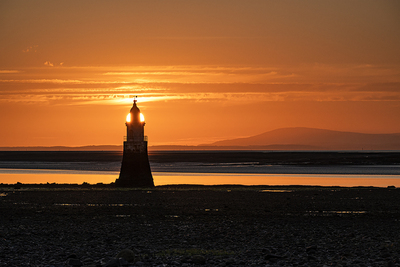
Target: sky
x=203 y=71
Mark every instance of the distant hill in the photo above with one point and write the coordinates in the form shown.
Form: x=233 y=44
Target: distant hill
x=298 y=138
x=301 y=138
x=233 y=147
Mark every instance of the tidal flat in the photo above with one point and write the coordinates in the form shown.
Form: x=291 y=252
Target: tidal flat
x=200 y=225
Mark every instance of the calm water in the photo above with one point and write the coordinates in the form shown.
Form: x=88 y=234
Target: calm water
x=378 y=175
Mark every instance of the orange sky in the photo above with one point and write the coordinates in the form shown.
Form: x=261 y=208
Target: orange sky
x=203 y=70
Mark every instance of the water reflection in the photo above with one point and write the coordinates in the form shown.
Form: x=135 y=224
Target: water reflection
x=276 y=191
x=211 y=209
x=276 y=179
x=12 y=176
x=172 y=216
x=95 y=205
x=335 y=212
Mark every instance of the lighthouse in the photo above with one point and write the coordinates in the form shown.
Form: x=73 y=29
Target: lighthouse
x=135 y=167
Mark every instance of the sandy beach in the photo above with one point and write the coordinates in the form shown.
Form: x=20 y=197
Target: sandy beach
x=198 y=225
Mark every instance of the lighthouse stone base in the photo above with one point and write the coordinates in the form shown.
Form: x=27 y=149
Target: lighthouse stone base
x=135 y=167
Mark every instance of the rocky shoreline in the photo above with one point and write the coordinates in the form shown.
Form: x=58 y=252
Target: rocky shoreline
x=208 y=226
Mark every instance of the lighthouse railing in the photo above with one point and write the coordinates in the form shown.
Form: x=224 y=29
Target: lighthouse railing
x=145 y=138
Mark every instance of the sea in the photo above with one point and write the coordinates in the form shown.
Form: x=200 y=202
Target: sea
x=203 y=173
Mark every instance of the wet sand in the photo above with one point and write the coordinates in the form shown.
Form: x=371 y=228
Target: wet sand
x=201 y=225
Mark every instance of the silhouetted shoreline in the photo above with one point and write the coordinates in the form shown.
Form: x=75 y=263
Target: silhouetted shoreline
x=112 y=186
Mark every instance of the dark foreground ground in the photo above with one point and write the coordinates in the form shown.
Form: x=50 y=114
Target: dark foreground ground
x=211 y=226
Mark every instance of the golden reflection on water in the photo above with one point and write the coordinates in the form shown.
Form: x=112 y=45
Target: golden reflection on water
x=37 y=178
x=161 y=178
x=278 y=179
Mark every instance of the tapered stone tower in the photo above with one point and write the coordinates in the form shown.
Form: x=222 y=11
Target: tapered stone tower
x=135 y=167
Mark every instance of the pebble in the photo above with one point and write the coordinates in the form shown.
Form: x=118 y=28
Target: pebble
x=74 y=262
x=198 y=259
x=127 y=254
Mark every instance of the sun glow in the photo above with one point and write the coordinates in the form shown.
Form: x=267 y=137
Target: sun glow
x=141 y=117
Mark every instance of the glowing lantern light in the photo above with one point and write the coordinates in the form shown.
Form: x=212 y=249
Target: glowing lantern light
x=128 y=117
x=141 y=117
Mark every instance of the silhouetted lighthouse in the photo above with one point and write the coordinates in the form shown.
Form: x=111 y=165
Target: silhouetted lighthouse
x=135 y=167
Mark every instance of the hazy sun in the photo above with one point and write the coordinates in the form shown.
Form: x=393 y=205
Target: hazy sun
x=141 y=117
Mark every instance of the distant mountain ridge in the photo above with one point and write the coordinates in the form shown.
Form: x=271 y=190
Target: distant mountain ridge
x=297 y=138
x=315 y=139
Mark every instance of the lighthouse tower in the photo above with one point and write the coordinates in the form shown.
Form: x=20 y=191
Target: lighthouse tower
x=135 y=167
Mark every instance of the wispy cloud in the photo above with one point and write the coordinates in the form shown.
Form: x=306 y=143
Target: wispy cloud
x=9 y=71
x=113 y=85
x=199 y=74
x=61 y=81
x=87 y=98
x=32 y=48
x=48 y=63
